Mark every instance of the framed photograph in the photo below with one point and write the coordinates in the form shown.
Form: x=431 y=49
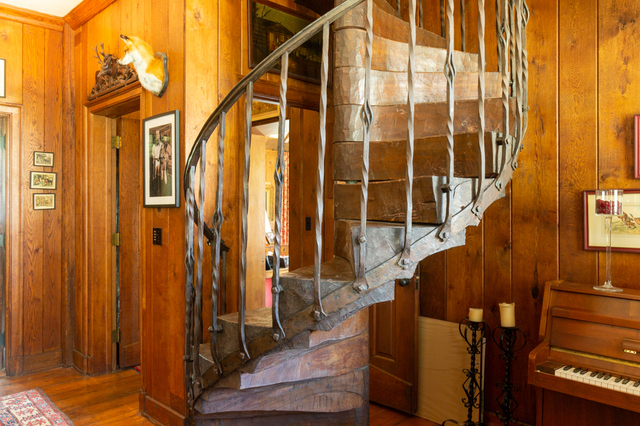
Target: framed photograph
x=43 y=180
x=625 y=229
x=3 y=78
x=636 y=144
x=271 y=25
x=43 y=159
x=161 y=161
x=44 y=201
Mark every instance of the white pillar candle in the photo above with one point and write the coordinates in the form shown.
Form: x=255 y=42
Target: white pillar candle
x=507 y=314
x=475 y=315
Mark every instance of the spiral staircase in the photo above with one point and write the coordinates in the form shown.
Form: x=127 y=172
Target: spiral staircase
x=424 y=141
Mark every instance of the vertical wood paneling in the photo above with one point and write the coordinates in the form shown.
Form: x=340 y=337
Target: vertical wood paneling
x=578 y=115
x=296 y=214
x=34 y=110
x=256 y=225
x=52 y=266
x=11 y=36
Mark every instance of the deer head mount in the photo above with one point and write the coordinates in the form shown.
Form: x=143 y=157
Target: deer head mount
x=111 y=75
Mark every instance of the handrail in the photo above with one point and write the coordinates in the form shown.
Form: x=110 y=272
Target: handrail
x=265 y=66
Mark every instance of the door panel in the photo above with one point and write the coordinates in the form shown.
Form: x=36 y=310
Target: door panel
x=393 y=340
x=129 y=202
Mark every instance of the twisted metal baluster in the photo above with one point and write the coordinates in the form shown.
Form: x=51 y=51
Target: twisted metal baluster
x=277 y=332
x=398 y=9
x=218 y=218
x=504 y=61
x=442 y=26
x=477 y=208
x=450 y=72
x=366 y=115
x=463 y=39
x=420 y=14
x=242 y=300
x=405 y=259
x=197 y=328
x=525 y=69
x=499 y=34
x=318 y=312
x=518 y=84
x=512 y=45
x=189 y=261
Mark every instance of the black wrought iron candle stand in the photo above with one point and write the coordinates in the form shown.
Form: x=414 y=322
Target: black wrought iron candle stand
x=507 y=344
x=472 y=389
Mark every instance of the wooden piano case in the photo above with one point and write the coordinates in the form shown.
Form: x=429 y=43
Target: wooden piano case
x=589 y=329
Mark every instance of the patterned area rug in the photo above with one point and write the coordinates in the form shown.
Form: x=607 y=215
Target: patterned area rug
x=30 y=408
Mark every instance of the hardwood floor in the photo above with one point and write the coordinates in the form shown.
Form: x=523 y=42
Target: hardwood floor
x=109 y=399
x=112 y=399
x=380 y=415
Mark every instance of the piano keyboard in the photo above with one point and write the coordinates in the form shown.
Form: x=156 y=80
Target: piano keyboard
x=599 y=378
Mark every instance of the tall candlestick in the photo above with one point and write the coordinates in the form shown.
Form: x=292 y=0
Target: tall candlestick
x=475 y=314
x=507 y=314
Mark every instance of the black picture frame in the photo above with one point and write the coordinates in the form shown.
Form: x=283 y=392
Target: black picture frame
x=266 y=34
x=40 y=159
x=40 y=205
x=43 y=180
x=161 y=160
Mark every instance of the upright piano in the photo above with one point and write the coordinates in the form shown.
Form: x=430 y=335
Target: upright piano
x=587 y=366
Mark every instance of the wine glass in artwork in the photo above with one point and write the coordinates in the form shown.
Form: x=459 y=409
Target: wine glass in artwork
x=608 y=204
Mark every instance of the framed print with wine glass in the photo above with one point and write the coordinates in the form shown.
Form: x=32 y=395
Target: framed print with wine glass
x=625 y=227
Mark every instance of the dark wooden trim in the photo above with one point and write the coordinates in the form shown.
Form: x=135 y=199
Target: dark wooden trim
x=83 y=12
x=35 y=362
x=159 y=413
x=30 y=17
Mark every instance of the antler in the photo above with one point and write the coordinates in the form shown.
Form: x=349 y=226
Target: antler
x=97 y=55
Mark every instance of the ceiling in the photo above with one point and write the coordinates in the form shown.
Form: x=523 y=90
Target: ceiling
x=56 y=8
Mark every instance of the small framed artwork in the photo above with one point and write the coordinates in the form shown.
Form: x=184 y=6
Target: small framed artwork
x=160 y=159
x=43 y=159
x=625 y=229
x=43 y=180
x=636 y=144
x=271 y=25
x=44 y=201
x=3 y=78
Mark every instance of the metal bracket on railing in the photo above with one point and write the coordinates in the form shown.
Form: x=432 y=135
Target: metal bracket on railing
x=445 y=231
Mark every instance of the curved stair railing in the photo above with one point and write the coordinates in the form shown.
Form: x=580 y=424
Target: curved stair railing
x=511 y=21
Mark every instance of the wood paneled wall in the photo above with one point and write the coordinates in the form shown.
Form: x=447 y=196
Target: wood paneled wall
x=38 y=99
x=584 y=82
x=162 y=24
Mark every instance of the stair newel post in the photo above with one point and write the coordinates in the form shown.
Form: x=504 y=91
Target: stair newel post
x=197 y=325
x=366 y=115
x=318 y=311
x=218 y=218
x=242 y=297
x=189 y=376
x=278 y=332
x=503 y=41
x=450 y=73
x=477 y=208
x=405 y=259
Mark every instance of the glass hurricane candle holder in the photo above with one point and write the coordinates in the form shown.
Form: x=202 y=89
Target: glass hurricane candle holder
x=608 y=204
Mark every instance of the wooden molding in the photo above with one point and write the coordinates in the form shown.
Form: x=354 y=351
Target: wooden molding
x=30 y=17
x=159 y=413
x=83 y=12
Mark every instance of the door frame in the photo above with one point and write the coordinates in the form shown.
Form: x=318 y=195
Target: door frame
x=93 y=352
x=13 y=308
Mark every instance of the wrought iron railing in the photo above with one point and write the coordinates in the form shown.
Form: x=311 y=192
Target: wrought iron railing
x=511 y=21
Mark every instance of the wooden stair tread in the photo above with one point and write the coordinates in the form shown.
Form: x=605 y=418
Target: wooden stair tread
x=260 y=317
x=390 y=55
x=257 y=322
x=391 y=88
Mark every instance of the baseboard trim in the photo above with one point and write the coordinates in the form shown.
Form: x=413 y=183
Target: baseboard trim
x=159 y=413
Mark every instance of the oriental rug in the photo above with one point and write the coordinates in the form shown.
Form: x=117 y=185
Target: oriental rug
x=30 y=408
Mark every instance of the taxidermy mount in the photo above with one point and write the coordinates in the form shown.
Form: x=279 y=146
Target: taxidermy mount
x=151 y=67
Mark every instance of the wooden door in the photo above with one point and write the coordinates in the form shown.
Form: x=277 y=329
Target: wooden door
x=129 y=228
x=393 y=349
